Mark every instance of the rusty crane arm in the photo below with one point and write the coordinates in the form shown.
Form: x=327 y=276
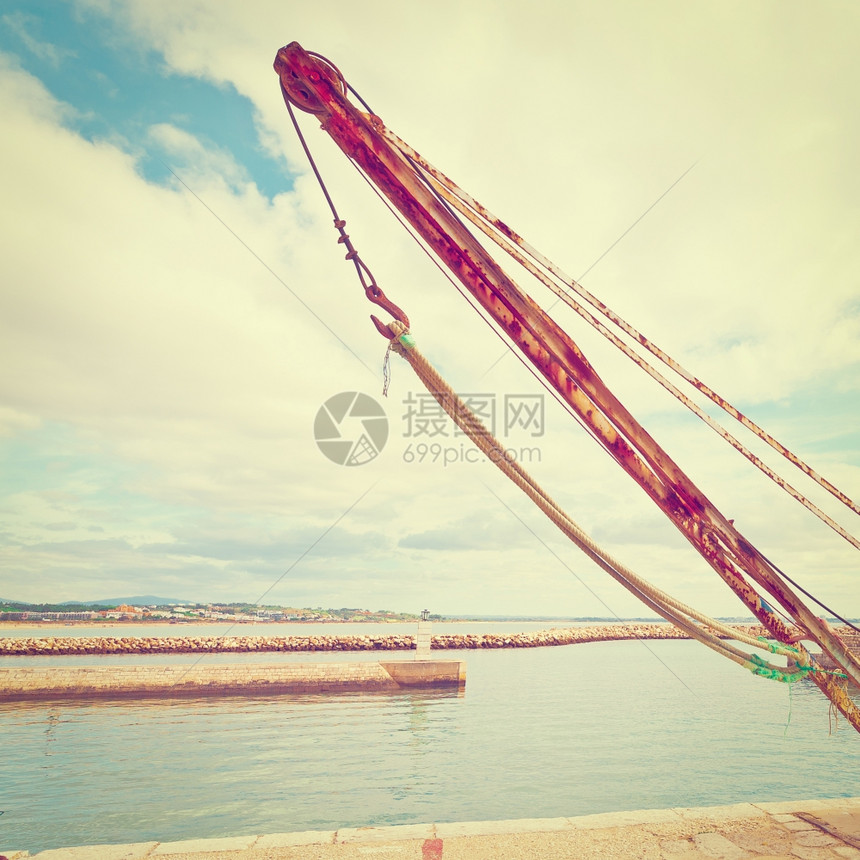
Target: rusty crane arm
x=315 y=86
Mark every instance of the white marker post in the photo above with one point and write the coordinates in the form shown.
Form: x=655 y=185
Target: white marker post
x=422 y=641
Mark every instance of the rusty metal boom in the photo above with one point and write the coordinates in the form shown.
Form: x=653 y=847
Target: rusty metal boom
x=314 y=85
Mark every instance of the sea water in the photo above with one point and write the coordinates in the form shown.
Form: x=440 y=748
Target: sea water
x=540 y=732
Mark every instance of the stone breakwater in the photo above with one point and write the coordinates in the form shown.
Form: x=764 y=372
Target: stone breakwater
x=53 y=646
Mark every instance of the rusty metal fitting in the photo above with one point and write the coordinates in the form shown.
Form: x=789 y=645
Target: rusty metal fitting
x=374 y=294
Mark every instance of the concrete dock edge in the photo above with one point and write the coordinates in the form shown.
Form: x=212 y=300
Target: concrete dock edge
x=818 y=829
x=242 y=679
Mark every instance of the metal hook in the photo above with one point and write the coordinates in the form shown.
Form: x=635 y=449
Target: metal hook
x=375 y=295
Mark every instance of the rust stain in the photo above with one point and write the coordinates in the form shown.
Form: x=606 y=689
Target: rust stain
x=431 y=849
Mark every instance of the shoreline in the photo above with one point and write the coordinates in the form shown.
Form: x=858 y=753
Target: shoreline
x=819 y=829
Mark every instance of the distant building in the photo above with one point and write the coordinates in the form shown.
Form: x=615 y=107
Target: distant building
x=48 y=616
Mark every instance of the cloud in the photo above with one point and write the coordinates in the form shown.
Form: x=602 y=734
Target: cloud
x=189 y=153
x=478 y=532
x=185 y=377
x=22 y=26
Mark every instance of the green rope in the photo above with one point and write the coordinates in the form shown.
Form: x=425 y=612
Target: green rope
x=777 y=647
x=764 y=670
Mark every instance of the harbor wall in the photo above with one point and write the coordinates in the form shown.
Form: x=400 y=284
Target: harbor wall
x=24 y=683
x=53 y=646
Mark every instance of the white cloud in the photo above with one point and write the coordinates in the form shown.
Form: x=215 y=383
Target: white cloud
x=195 y=160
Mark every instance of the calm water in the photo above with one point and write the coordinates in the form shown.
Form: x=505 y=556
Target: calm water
x=539 y=732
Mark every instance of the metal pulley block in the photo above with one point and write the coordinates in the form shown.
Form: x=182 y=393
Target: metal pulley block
x=299 y=80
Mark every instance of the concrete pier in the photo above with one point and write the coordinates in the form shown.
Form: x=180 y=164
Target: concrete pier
x=25 y=683
x=787 y=830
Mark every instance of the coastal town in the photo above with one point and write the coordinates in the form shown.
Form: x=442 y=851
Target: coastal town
x=195 y=612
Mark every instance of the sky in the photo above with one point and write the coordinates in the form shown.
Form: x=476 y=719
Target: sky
x=175 y=310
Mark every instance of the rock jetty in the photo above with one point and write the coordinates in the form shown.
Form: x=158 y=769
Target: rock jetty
x=52 y=646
